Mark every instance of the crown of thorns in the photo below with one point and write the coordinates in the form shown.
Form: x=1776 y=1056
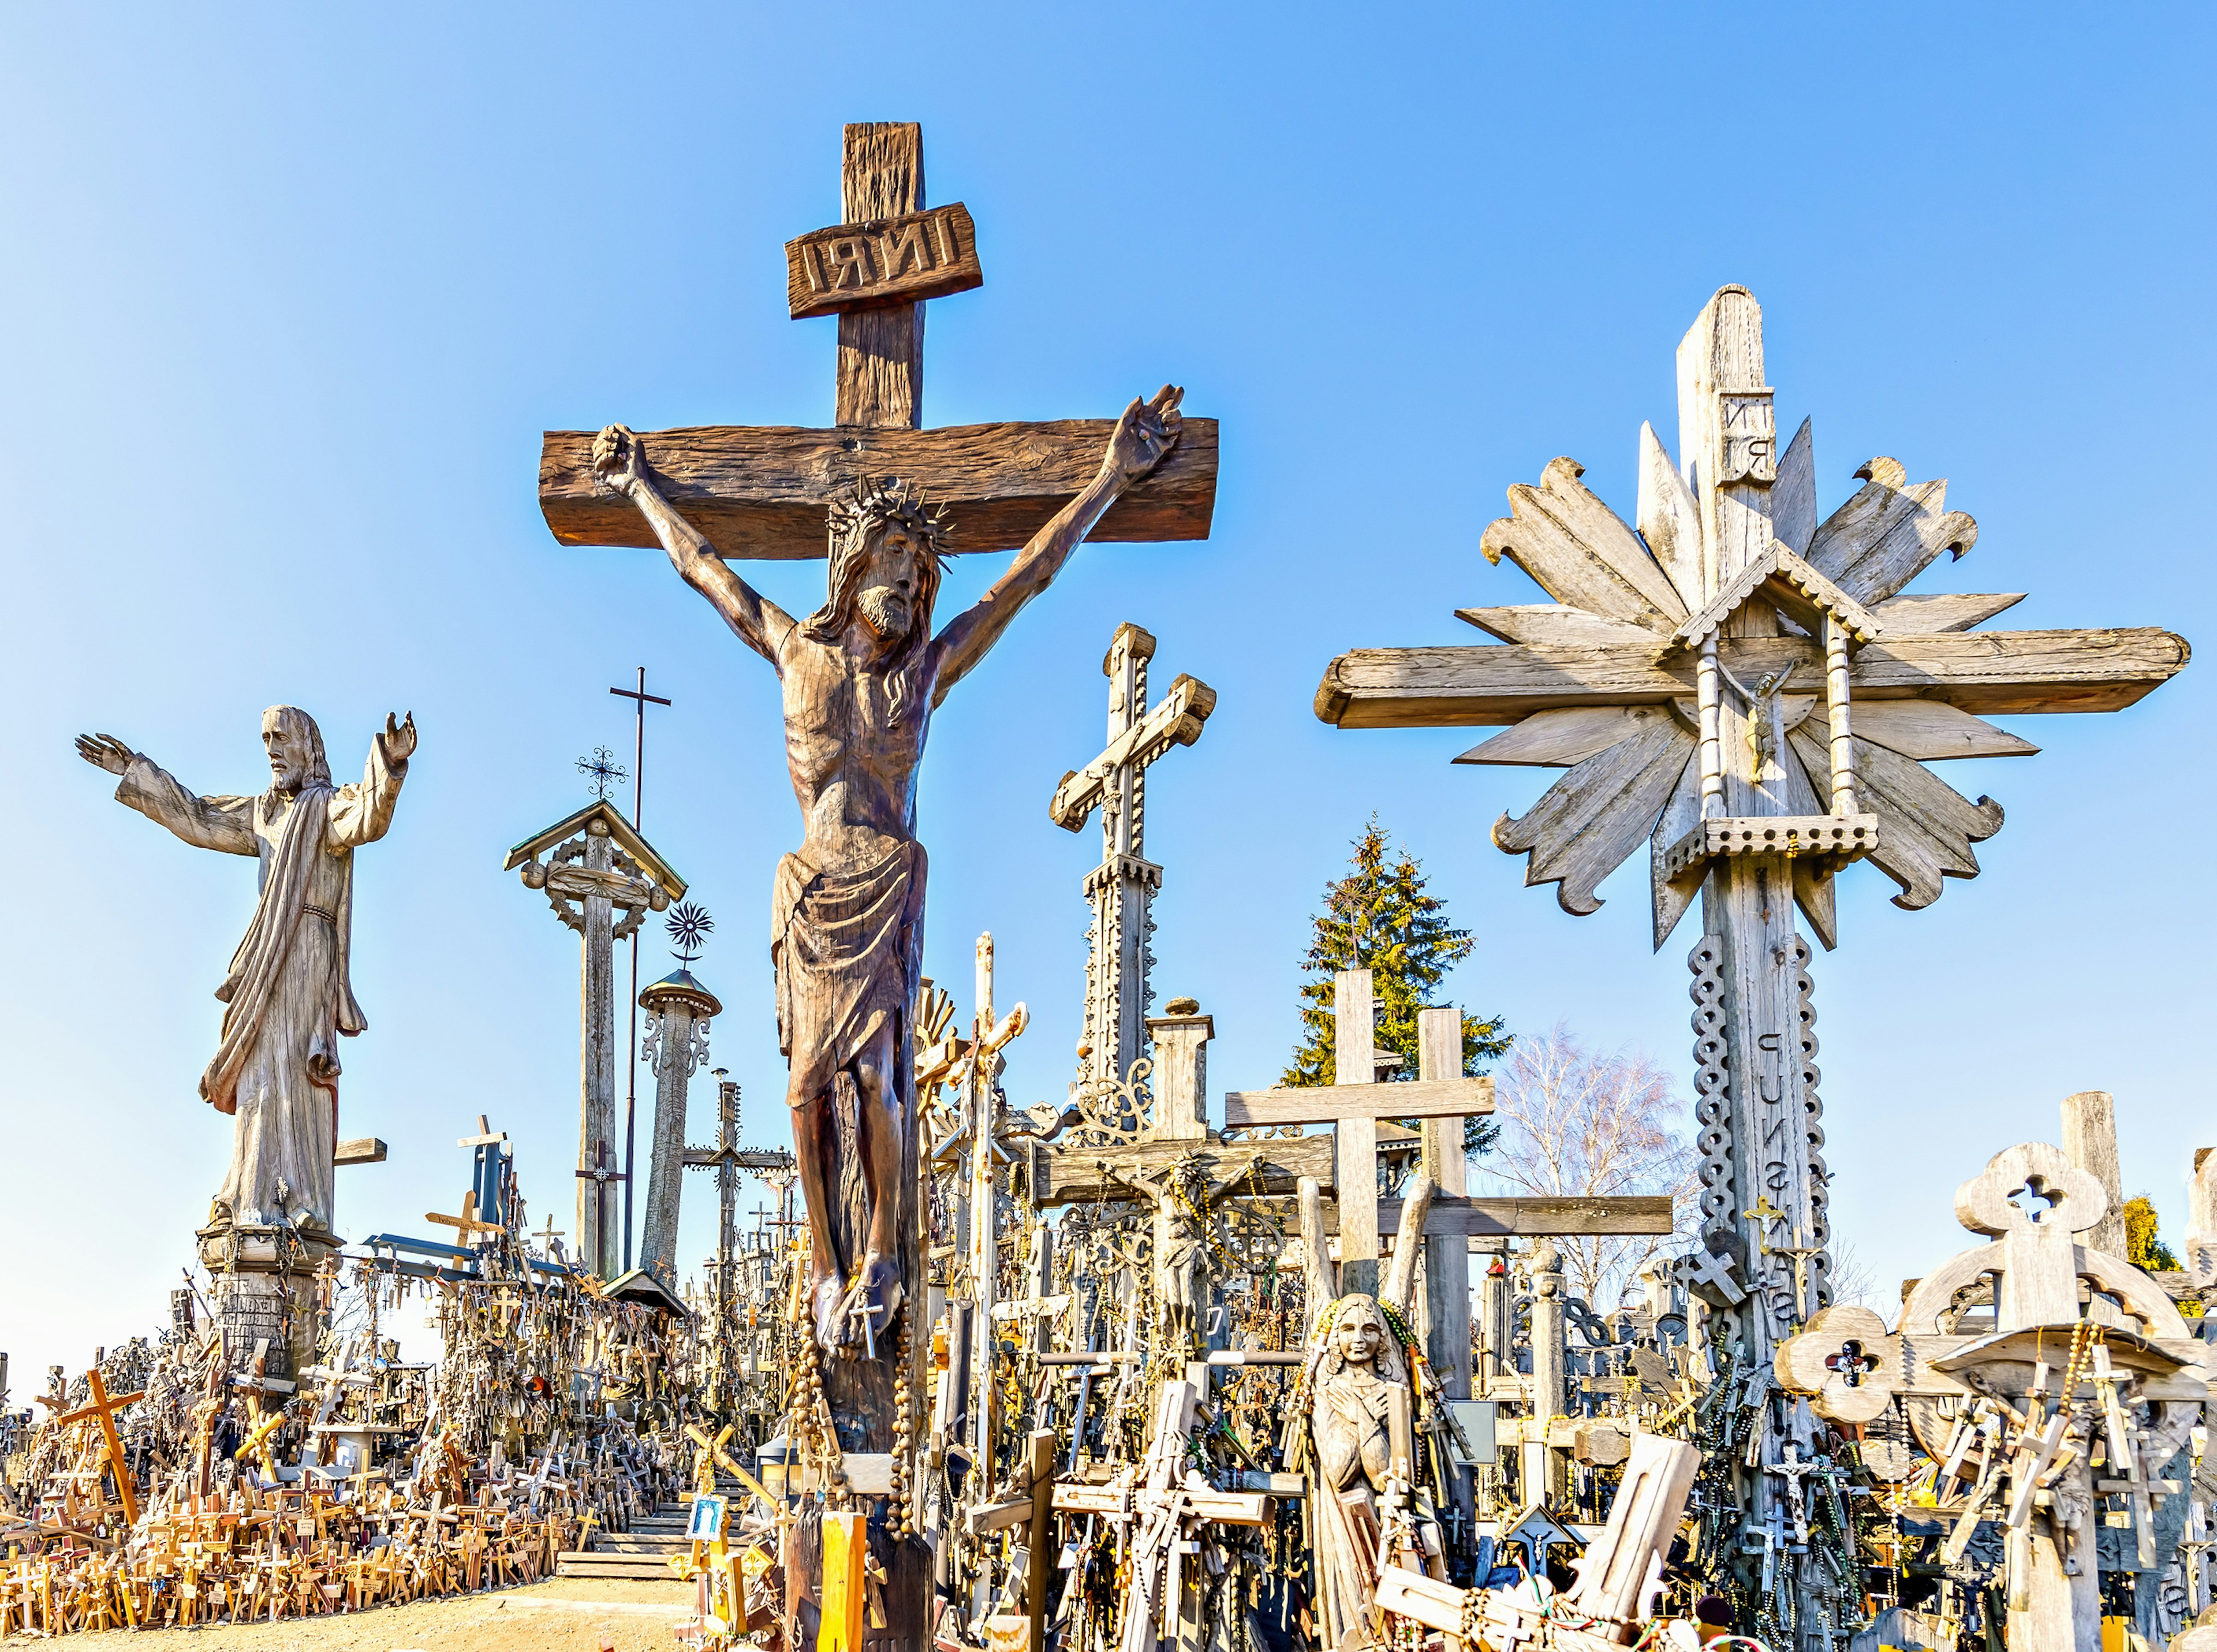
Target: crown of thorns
x=892 y=502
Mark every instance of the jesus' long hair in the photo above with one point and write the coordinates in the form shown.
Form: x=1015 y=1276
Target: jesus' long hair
x=295 y=724
x=856 y=520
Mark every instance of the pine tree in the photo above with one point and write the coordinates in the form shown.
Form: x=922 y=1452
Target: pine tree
x=1379 y=916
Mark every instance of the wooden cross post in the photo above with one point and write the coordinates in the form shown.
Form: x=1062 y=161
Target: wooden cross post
x=1353 y=1109
x=595 y=862
x=640 y=700
x=1122 y=887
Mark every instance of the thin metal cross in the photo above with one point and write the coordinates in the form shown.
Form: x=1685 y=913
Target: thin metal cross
x=641 y=699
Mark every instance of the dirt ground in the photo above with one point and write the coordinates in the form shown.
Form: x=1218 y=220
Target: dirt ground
x=565 y=1614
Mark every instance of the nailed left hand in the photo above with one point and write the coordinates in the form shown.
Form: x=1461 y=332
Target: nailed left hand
x=1147 y=430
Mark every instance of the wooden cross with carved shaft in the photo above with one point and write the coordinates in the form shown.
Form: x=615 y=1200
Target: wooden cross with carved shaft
x=1748 y=689
x=600 y=1175
x=766 y=491
x=1121 y=888
x=728 y=1159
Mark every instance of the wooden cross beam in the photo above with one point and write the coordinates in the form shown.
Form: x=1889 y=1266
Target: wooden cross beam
x=1985 y=673
x=766 y=491
x=1354 y=1111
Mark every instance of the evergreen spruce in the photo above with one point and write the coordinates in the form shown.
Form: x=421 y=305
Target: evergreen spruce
x=1379 y=916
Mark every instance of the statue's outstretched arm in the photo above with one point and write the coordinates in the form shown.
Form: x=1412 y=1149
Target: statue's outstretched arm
x=1144 y=435
x=223 y=823
x=759 y=623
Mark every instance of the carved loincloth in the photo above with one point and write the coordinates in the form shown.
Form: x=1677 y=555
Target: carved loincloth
x=847 y=945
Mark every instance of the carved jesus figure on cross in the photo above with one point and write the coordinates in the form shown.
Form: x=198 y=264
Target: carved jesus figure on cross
x=861 y=677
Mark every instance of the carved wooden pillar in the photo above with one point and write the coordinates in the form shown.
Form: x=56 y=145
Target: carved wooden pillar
x=676 y=1044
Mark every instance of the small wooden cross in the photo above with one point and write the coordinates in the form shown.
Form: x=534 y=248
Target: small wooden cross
x=767 y=492
x=467 y=1222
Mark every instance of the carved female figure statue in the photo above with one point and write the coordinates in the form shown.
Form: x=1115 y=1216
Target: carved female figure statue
x=288 y=998
x=1362 y=1416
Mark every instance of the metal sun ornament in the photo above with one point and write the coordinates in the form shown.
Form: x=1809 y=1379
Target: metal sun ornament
x=602 y=771
x=688 y=925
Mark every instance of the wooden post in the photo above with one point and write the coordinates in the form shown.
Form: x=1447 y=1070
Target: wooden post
x=2090 y=1138
x=881 y=351
x=1040 y=1549
x=598 y=1228
x=985 y=1251
x=1355 y=1139
x=1447 y=1258
x=1549 y=1356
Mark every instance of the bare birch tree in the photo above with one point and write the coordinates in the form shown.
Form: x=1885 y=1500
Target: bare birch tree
x=1576 y=1121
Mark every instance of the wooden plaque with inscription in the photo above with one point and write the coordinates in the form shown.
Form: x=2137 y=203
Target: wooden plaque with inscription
x=889 y=261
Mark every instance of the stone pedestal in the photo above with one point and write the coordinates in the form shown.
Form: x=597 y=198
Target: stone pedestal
x=1181 y=1074
x=264 y=1290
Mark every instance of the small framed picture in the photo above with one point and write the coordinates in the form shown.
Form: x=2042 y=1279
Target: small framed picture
x=707 y=1522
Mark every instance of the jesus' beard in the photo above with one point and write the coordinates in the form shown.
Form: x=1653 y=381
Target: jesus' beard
x=881 y=613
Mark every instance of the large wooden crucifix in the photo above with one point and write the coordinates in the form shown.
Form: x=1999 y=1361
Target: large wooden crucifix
x=1121 y=888
x=1748 y=690
x=883 y=500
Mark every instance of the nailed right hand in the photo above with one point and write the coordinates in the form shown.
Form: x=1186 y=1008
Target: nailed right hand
x=106 y=751
x=617 y=461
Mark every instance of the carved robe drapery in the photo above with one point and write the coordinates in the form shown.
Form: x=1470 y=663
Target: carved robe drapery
x=288 y=996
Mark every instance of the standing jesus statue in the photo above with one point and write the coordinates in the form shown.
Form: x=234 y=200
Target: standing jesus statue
x=861 y=677
x=288 y=998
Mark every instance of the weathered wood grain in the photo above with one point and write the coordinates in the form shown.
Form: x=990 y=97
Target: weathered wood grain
x=1593 y=1216
x=1669 y=518
x=1581 y=552
x=765 y=491
x=1587 y=822
x=1990 y=673
x=1888 y=533
x=1813 y=887
x=1324 y=1104
x=1907 y=615
x=1681 y=814
x=880 y=370
x=1553 y=623
x=889 y=261
x=1557 y=740
x=1931 y=731
x=1925 y=827
x=1074 y=1174
x=1793 y=495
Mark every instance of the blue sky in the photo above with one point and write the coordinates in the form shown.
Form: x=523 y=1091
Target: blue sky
x=291 y=293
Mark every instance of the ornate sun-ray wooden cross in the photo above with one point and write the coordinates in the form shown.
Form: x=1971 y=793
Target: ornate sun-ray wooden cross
x=1751 y=691
x=1121 y=888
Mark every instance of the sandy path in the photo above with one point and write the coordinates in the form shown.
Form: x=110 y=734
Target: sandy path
x=566 y=1614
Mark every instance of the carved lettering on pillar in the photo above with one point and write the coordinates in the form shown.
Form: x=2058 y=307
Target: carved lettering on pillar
x=1749 y=428
x=889 y=261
